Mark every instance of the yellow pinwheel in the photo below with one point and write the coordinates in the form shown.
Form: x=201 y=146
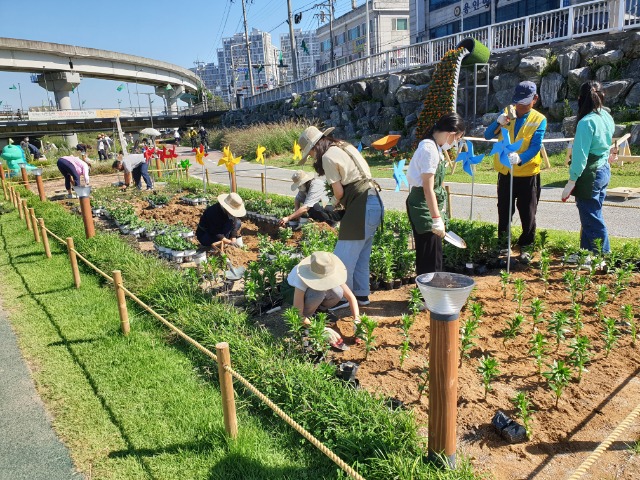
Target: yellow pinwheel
x=200 y=154
x=297 y=151
x=260 y=154
x=228 y=160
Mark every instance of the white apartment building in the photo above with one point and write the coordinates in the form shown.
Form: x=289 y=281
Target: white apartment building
x=307 y=54
x=389 y=21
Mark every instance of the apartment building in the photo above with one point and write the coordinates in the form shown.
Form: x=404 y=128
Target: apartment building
x=307 y=54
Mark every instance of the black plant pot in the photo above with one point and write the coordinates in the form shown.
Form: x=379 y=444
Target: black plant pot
x=397 y=283
x=387 y=285
x=374 y=284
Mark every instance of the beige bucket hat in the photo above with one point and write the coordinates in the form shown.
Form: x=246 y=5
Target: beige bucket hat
x=300 y=177
x=232 y=203
x=322 y=271
x=309 y=138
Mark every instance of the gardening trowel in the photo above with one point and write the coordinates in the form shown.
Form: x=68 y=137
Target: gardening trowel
x=234 y=273
x=455 y=240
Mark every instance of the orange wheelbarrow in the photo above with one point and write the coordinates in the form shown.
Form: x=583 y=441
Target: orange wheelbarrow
x=385 y=143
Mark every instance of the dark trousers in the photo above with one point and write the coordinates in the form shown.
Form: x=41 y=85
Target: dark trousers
x=327 y=215
x=142 y=170
x=207 y=238
x=68 y=171
x=526 y=194
x=428 y=252
x=102 y=155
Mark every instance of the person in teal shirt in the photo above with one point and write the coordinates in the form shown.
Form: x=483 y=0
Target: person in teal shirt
x=589 y=173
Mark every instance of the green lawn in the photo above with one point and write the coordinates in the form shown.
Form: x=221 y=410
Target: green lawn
x=135 y=407
x=621 y=176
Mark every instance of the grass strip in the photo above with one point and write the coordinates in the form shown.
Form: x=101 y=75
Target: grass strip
x=130 y=407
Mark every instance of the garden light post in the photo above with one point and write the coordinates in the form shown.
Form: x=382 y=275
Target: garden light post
x=444 y=296
x=85 y=207
x=40 y=185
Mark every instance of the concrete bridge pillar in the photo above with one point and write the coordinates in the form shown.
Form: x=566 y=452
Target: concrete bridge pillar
x=171 y=97
x=61 y=84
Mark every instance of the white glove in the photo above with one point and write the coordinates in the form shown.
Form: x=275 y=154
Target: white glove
x=438 y=227
x=566 y=193
x=514 y=158
x=503 y=119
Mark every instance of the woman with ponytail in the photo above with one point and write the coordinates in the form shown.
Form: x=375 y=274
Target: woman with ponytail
x=589 y=173
x=427 y=200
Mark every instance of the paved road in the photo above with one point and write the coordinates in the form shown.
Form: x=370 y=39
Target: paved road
x=29 y=449
x=622 y=217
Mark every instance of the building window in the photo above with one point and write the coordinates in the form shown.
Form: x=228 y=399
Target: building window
x=340 y=39
x=400 y=24
x=436 y=4
x=354 y=33
x=523 y=9
x=325 y=46
x=477 y=21
x=444 y=30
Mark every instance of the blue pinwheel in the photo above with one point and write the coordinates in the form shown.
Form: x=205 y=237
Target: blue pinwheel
x=398 y=174
x=360 y=146
x=504 y=147
x=468 y=158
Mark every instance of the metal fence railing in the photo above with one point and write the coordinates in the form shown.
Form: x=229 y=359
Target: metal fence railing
x=575 y=21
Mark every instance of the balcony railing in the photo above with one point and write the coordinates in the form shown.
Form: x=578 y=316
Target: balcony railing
x=557 y=25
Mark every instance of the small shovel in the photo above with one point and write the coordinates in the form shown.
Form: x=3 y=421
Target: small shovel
x=455 y=240
x=234 y=273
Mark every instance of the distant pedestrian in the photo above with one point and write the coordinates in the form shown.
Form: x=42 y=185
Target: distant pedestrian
x=176 y=136
x=100 y=145
x=204 y=139
x=71 y=168
x=137 y=165
x=193 y=136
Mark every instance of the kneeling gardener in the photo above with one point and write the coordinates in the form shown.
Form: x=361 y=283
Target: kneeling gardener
x=221 y=221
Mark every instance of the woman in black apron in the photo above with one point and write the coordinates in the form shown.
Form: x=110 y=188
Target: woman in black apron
x=427 y=200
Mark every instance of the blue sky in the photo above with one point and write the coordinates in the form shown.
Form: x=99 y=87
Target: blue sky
x=175 y=32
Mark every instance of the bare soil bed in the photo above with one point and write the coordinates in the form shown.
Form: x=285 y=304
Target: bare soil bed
x=562 y=437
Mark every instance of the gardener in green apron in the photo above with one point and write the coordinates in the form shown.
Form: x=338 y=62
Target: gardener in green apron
x=350 y=178
x=589 y=173
x=427 y=200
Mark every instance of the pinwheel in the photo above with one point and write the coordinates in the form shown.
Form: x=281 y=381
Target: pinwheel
x=468 y=159
x=229 y=161
x=399 y=175
x=149 y=152
x=297 y=152
x=200 y=154
x=163 y=154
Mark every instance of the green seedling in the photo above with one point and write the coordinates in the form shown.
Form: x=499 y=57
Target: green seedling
x=544 y=237
x=505 y=277
x=364 y=330
x=634 y=447
x=477 y=311
x=488 y=368
x=407 y=323
x=583 y=283
x=415 y=301
x=570 y=279
x=538 y=349
x=558 y=377
x=514 y=327
x=537 y=307
x=602 y=296
x=524 y=410
x=423 y=378
x=545 y=263
x=467 y=336
x=580 y=354
x=295 y=322
x=576 y=311
x=622 y=278
x=610 y=334
x=558 y=326
x=318 y=339
x=629 y=318
x=285 y=234
x=582 y=255
x=519 y=286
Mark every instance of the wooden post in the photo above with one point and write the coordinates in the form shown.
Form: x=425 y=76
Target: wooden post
x=186 y=173
x=19 y=206
x=543 y=151
x=263 y=182
x=34 y=224
x=27 y=217
x=567 y=157
x=87 y=217
x=448 y=190
x=45 y=238
x=40 y=186
x=12 y=196
x=158 y=167
x=443 y=386
x=74 y=262
x=234 y=185
x=4 y=184
x=226 y=388
x=25 y=176
x=122 y=302
x=206 y=171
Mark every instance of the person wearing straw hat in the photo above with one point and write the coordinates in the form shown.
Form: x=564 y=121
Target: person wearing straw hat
x=319 y=284
x=311 y=194
x=221 y=221
x=350 y=178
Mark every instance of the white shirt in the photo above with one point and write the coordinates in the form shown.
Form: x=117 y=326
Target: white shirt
x=425 y=160
x=295 y=281
x=132 y=161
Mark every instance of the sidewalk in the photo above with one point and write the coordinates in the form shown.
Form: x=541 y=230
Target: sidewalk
x=621 y=222
x=29 y=448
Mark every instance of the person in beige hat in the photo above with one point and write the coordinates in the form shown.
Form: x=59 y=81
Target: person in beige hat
x=221 y=221
x=311 y=194
x=350 y=178
x=319 y=284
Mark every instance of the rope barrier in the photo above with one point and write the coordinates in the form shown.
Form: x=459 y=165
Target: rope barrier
x=55 y=236
x=626 y=423
x=295 y=425
x=107 y=277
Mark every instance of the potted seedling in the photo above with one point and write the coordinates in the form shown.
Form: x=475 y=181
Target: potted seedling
x=513 y=329
x=558 y=377
x=524 y=410
x=610 y=334
x=318 y=338
x=629 y=318
x=364 y=330
x=295 y=322
x=580 y=354
x=488 y=369
x=505 y=277
x=423 y=378
x=387 y=269
x=519 y=287
x=538 y=348
x=558 y=326
x=406 y=324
